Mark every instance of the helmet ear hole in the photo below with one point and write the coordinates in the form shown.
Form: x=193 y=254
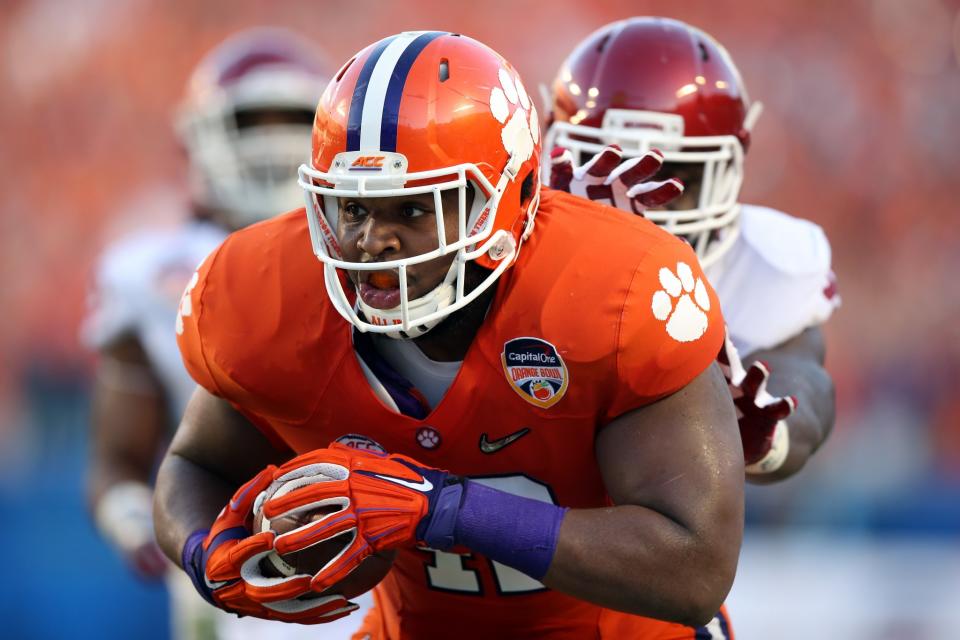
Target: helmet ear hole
x=603 y=43
x=526 y=188
x=704 y=54
x=344 y=68
x=444 y=73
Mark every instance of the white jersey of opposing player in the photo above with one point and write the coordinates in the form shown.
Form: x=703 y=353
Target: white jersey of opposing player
x=138 y=286
x=775 y=281
x=139 y=283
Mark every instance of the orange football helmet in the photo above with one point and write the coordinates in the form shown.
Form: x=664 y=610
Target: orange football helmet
x=425 y=112
x=645 y=83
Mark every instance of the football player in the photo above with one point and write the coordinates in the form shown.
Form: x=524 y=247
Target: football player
x=683 y=102
x=513 y=387
x=245 y=124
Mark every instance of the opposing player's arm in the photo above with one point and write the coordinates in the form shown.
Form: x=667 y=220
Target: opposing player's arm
x=796 y=369
x=129 y=419
x=669 y=547
x=214 y=451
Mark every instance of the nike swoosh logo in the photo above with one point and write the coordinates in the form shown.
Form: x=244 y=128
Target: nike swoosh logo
x=235 y=503
x=492 y=446
x=424 y=485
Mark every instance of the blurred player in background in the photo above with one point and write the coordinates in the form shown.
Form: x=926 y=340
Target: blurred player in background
x=663 y=91
x=245 y=124
x=460 y=319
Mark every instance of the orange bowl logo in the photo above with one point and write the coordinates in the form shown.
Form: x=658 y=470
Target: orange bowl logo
x=541 y=390
x=535 y=370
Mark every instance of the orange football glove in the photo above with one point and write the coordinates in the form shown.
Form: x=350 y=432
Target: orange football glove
x=222 y=563
x=384 y=502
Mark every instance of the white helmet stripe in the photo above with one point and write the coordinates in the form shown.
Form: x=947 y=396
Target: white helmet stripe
x=371 y=120
x=371 y=123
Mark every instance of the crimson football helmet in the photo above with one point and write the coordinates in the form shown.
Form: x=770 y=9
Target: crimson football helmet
x=246 y=120
x=647 y=83
x=415 y=113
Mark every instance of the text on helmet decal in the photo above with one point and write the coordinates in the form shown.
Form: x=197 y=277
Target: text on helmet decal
x=367 y=163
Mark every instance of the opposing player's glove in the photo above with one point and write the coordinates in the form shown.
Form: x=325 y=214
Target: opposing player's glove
x=604 y=178
x=124 y=516
x=383 y=502
x=761 y=416
x=148 y=561
x=218 y=562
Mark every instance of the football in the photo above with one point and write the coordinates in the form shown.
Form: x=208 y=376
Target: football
x=365 y=577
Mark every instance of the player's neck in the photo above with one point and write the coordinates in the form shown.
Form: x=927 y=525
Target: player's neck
x=450 y=340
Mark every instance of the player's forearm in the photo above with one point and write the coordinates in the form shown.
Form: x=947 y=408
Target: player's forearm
x=810 y=425
x=127 y=429
x=187 y=498
x=634 y=559
x=674 y=468
x=628 y=557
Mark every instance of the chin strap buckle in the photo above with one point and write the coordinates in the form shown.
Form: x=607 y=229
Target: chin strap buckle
x=512 y=167
x=532 y=209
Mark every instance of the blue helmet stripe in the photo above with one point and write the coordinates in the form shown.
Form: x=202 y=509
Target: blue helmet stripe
x=360 y=94
x=391 y=105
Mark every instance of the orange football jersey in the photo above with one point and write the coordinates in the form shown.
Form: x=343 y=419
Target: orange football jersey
x=602 y=313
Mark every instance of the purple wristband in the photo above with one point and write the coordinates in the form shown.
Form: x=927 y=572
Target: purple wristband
x=192 y=560
x=518 y=532
x=439 y=533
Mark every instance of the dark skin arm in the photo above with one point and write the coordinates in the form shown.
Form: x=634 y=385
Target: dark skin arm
x=129 y=418
x=796 y=369
x=214 y=451
x=669 y=547
x=675 y=469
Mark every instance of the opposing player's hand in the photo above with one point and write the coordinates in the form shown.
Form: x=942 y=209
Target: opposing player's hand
x=148 y=561
x=221 y=562
x=124 y=515
x=763 y=429
x=761 y=415
x=604 y=178
x=382 y=502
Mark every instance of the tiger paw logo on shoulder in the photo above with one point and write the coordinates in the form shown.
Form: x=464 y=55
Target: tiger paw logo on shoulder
x=535 y=370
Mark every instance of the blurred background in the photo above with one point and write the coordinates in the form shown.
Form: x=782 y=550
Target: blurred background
x=860 y=134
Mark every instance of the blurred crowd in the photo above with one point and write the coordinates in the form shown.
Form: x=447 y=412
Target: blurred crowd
x=859 y=134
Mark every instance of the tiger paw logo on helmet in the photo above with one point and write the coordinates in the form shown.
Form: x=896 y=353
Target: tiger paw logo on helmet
x=521 y=130
x=684 y=315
